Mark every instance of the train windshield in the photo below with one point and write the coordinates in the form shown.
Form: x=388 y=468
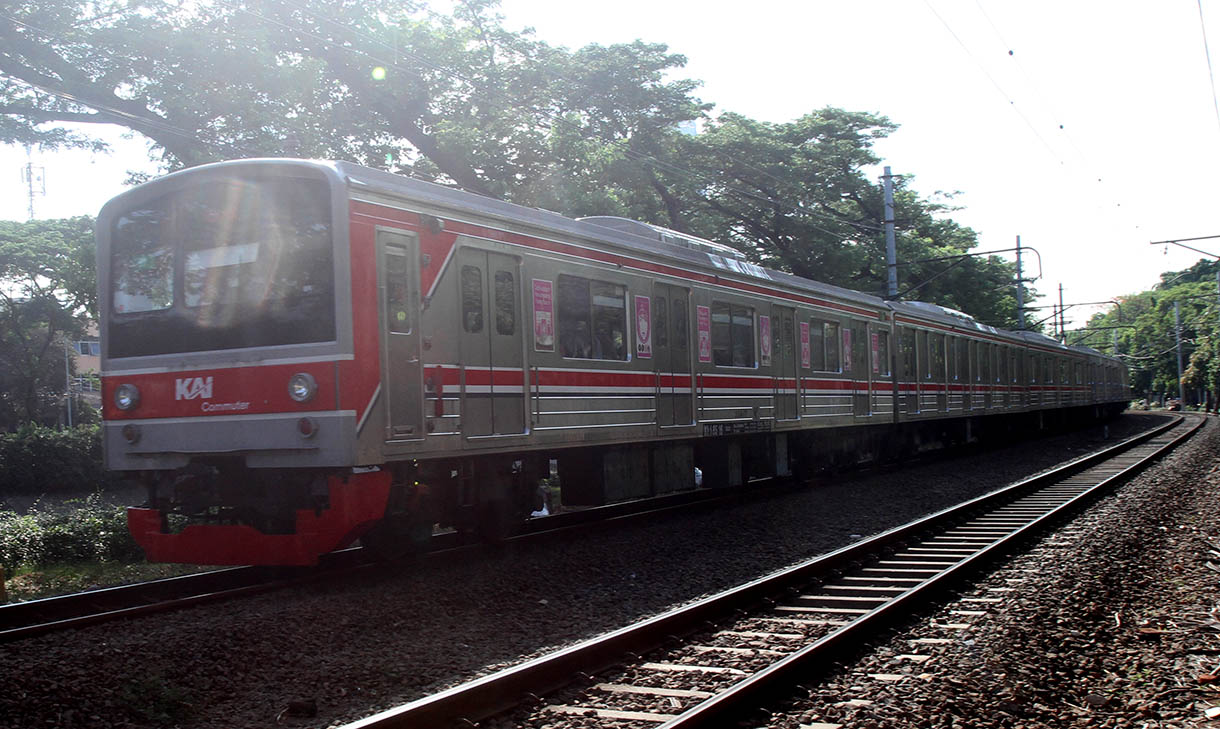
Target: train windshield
x=223 y=264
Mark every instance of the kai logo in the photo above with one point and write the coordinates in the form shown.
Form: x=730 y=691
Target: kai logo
x=189 y=388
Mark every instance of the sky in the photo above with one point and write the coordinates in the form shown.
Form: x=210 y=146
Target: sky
x=1088 y=128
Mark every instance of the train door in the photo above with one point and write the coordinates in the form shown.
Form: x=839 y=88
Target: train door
x=908 y=370
x=400 y=366
x=785 y=393
x=492 y=373
x=855 y=353
x=880 y=368
x=671 y=354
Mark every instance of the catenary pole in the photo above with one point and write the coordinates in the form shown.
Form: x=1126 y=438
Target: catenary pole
x=891 y=248
x=1020 y=290
x=1177 y=331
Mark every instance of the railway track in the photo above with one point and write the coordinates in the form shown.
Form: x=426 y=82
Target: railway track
x=32 y=618
x=47 y=615
x=703 y=664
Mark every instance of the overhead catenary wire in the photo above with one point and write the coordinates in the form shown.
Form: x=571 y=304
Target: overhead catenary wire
x=1000 y=89
x=1208 y=55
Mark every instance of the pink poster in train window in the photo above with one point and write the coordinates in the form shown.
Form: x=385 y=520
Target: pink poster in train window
x=846 y=349
x=544 y=316
x=643 y=327
x=805 y=349
x=703 y=323
x=764 y=340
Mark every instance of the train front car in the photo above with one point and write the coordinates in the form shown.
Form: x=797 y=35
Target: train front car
x=225 y=297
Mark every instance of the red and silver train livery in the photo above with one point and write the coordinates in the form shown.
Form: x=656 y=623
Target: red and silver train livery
x=300 y=354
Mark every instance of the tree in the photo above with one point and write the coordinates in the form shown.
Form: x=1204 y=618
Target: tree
x=1147 y=339
x=462 y=101
x=47 y=287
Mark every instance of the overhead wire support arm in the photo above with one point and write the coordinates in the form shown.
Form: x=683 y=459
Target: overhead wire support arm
x=1060 y=309
x=979 y=253
x=1178 y=242
x=958 y=260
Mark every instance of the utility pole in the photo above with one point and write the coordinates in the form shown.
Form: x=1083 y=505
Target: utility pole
x=1177 y=332
x=1020 y=290
x=35 y=179
x=891 y=248
x=1063 y=337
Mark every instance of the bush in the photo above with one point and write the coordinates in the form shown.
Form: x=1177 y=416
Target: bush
x=93 y=532
x=38 y=460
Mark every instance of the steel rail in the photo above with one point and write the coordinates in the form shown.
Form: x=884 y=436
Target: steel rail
x=501 y=692
x=21 y=620
x=32 y=618
x=780 y=676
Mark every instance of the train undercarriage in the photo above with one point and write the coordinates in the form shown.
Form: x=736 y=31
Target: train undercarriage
x=217 y=511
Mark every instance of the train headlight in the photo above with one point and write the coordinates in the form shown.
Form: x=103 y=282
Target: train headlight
x=126 y=397
x=302 y=387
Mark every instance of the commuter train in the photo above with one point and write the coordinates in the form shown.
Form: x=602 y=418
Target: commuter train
x=300 y=354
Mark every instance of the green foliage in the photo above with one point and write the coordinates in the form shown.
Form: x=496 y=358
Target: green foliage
x=90 y=532
x=463 y=101
x=47 y=285
x=38 y=460
x=1145 y=334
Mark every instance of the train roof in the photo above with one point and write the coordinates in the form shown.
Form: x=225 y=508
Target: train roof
x=633 y=236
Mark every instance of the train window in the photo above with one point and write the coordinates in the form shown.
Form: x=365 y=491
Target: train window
x=963 y=360
x=937 y=342
x=397 y=310
x=506 y=303
x=732 y=335
x=881 y=365
x=906 y=346
x=679 y=324
x=239 y=263
x=144 y=272
x=834 y=363
x=472 y=299
x=660 y=321
x=817 y=345
x=592 y=318
x=859 y=349
x=921 y=354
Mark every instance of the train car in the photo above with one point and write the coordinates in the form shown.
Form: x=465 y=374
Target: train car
x=300 y=354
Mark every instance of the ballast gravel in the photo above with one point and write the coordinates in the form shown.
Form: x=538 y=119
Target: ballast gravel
x=332 y=653
x=1113 y=621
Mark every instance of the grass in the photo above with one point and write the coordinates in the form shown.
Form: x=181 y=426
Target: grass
x=72 y=545
x=31 y=583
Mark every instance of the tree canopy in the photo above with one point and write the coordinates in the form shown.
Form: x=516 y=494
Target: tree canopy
x=461 y=100
x=1142 y=331
x=46 y=288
